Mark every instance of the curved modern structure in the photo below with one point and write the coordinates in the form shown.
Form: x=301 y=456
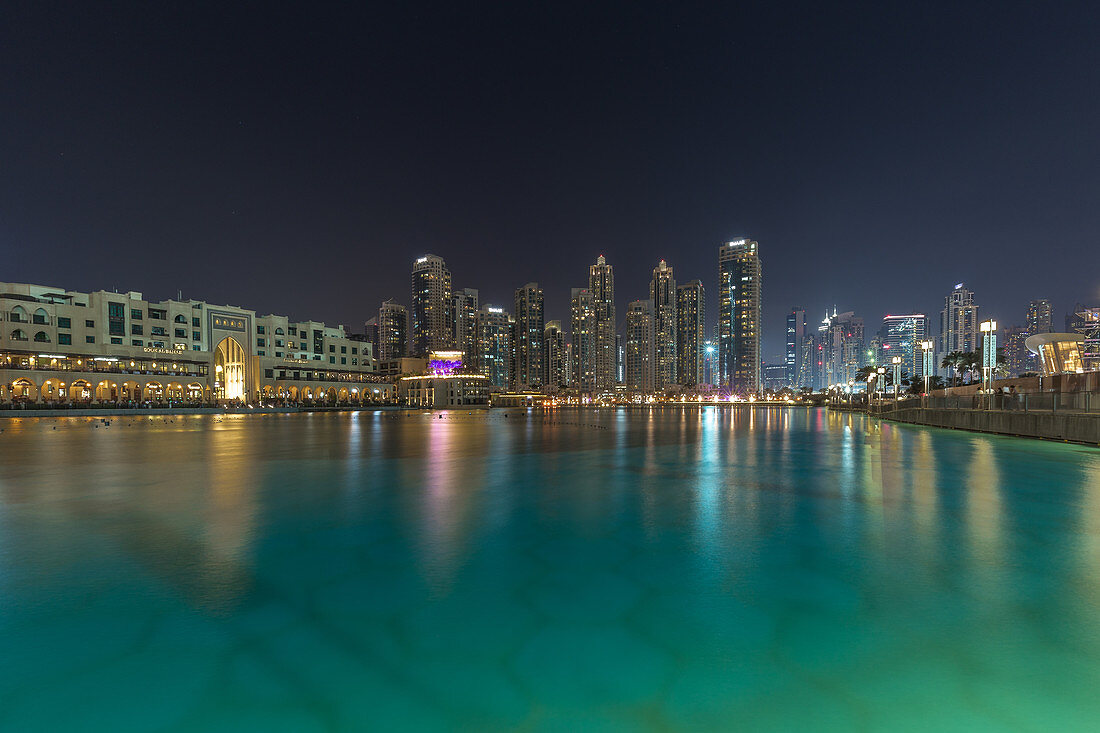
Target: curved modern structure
x=1058 y=353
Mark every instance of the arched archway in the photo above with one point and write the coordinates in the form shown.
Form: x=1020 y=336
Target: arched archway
x=106 y=392
x=18 y=314
x=80 y=391
x=229 y=372
x=152 y=392
x=194 y=392
x=175 y=392
x=24 y=390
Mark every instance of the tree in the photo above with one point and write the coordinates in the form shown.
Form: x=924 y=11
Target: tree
x=953 y=361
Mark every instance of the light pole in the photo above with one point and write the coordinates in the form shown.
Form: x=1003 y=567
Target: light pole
x=926 y=347
x=896 y=361
x=989 y=356
x=882 y=379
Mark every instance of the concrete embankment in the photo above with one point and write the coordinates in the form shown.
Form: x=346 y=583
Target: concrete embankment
x=108 y=412
x=1064 y=426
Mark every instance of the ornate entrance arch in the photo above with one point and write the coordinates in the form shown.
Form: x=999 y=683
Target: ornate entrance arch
x=229 y=373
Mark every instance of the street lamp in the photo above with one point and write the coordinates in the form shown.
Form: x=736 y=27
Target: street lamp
x=882 y=380
x=926 y=347
x=896 y=361
x=989 y=355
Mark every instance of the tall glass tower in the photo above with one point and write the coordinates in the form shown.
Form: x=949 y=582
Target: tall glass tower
x=432 y=320
x=662 y=291
x=739 y=316
x=601 y=286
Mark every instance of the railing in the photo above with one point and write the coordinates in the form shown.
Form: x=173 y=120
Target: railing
x=1079 y=402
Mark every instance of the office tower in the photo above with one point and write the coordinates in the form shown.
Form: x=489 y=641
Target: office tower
x=393 y=331
x=902 y=335
x=432 y=321
x=662 y=291
x=842 y=348
x=601 y=286
x=775 y=377
x=495 y=330
x=1040 y=317
x=640 y=352
x=739 y=316
x=553 y=357
x=620 y=360
x=464 y=308
x=567 y=364
x=528 y=339
x=370 y=335
x=691 y=332
x=1018 y=359
x=813 y=362
x=796 y=331
x=959 y=322
x=583 y=324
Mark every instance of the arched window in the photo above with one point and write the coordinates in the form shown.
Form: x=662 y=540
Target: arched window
x=18 y=315
x=180 y=318
x=42 y=337
x=18 y=335
x=41 y=317
x=278 y=332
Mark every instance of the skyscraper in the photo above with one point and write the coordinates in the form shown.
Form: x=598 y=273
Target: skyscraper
x=662 y=291
x=842 y=347
x=601 y=286
x=620 y=360
x=901 y=336
x=583 y=318
x=739 y=316
x=1018 y=359
x=796 y=331
x=464 y=308
x=959 y=322
x=529 y=335
x=691 y=332
x=1040 y=317
x=370 y=335
x=553 y=357
x=495 y=331
x=640 y=352
x=393 y=331
x=432 y=321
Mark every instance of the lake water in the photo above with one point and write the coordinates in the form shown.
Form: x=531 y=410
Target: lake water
x=674 y=569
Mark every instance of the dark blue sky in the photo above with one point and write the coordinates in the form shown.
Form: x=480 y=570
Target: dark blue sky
x=298 y=160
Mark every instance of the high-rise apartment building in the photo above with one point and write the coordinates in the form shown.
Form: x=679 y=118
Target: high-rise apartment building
x=796 y=332
x=432 y=320
x=739 y=316
x=495 y=330
x=662 y=291
x=640 y=348
x=393 y=331
x=1018 y=359
x=464 y=308
x=553 y=357
x=620 y=360
x=567 y=364
x=902 y=335
x=842 y=348
x=370 y=334
x=530 y=326
x=601 y=286
x=583 y=324
x=1040 y=317
x=691 y=332
x=959 y=322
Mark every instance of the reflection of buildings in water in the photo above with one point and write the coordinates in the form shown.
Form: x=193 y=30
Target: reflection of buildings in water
x=983 y=502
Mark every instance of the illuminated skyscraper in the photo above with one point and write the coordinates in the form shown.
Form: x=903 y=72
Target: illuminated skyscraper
x=529 y=334
x=553 y=357
x=842 y=348
x=393 y=331
x=640 y=352
x=959 y=322
x=796 y=332
x=495 y=331
x=691 y=332
x=901 y=336
x=1018 y=359
x=662 y=291
x=739 y=316
x=601 y=286
x=583 y=324
x=432 y=321
x=1040 y=317
x=464 y=308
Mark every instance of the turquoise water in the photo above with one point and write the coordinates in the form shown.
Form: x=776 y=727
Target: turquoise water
x=698 y=569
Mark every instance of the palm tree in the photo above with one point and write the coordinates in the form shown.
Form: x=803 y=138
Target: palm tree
x=953 y=361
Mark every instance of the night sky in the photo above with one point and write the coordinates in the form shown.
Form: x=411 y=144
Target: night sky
x=297 y=161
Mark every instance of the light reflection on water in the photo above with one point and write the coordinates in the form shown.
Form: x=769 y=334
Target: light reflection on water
x=676 y=568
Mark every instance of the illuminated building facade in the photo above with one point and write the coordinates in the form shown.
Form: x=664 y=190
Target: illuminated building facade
x=432 y=319
x=901 y=335
x=530 y=326
x=691 y=332
x=959 y=322
x=494 y=353
x=640 y=347
x=393 y=331
x=1018 y=360
x=739 y=282
x=601 y=287
x=553 y=358
x=662 y=293
x=842 y=348
x=464 y=308
x=67 y=347
x=1040 y=317
x=796 y=333
x=583 y=323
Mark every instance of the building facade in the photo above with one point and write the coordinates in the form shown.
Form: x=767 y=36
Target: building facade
x=959 y=323
x=583 y=336
x=640 y=347
x=842 y=348
x=432 y=319
x=901 y=335
x=691 y=332
x=662 y=292
x=601 y=287
x=76 y=348
x=464 y=308
x=739 y=281
x=553 y=357
x=495 y=346
x=530 y=326
x=393 y=331
x=794 y=354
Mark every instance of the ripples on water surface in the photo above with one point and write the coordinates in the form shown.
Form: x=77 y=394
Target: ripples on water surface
x=674 y=569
